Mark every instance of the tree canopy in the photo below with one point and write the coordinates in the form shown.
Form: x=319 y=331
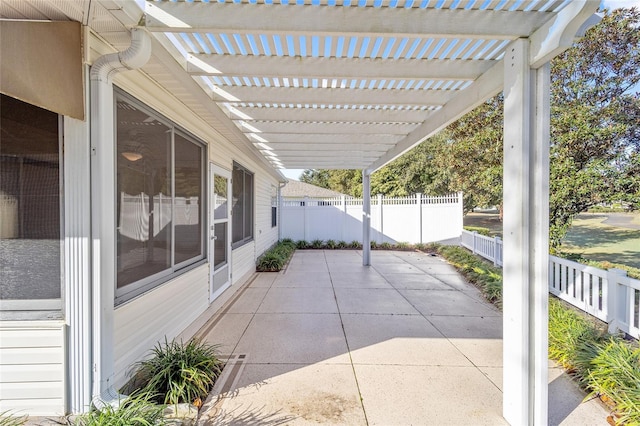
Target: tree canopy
x=595 y=136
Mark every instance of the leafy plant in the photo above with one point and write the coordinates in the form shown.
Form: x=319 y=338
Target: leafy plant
x=385 y=245
x=9 y=419
x=373 y=245
x=180 y=373
x=270 y=262
x=403 y=245
x=302 y=244
x=342 y=245
x=136 y=410
x=331 y=244
x=275 y=258
x=317 y=244
x=355 y=244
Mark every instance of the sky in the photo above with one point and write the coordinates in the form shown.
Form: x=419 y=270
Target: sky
x=608 y=4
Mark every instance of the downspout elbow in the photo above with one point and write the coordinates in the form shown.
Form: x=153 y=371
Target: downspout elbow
x=134 y=57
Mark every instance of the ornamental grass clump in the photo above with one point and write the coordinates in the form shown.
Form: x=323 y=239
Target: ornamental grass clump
x=138 y=409
x=607 y=366
x=274 y=259
x=9 y=419
x=180 y=373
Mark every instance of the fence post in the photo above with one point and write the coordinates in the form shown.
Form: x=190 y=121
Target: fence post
x=616 y=298
x=496 y=241
x=380 y=238
x=419 y=207
x=306 y=219
x=498 y=260
x=343 y=204
x=475 y=234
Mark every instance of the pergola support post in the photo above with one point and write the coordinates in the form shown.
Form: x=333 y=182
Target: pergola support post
x=526 y=237
x=366 y=217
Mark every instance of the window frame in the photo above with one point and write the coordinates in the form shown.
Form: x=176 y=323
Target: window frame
x=36 y=309
x=274 y=206
x=250 y=238
x=141 y=286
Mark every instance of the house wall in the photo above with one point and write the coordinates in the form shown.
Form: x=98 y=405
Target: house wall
x=164 y=311
x=170 y=308
x=32 y=367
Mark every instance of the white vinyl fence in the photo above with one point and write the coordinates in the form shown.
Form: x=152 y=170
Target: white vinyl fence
x=609 y=295
x=416 y=219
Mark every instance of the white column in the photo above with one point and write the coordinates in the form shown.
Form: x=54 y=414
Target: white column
x=526 y=237
x=77 y=259
x=103 y=188
x=366 y=217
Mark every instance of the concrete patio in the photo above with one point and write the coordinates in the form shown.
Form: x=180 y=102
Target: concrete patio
x=404 y=341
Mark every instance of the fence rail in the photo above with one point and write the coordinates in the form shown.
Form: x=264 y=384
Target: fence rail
x=609 y=295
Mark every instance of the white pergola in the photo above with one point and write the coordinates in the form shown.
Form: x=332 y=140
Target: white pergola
x=355 y=84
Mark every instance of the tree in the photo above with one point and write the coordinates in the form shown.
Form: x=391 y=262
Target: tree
x=316 y=177
x=594 y=118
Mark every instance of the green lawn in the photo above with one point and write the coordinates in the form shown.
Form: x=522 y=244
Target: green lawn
x=598 y=241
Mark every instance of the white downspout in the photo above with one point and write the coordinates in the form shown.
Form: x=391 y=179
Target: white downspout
x=103 y=214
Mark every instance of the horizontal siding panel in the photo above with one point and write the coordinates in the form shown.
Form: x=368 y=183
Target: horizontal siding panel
x=31 y=373
x=243 y=260
x=16 y=356
x=165 y=311
x=39 y=407
x=32 y=390
x=31 y=338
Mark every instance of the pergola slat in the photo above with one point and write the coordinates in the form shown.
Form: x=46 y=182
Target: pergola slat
x=399 y=22
x=331 y=138
x=331 y=128
x=327 y=96
x=333 y=114
x=351 y=68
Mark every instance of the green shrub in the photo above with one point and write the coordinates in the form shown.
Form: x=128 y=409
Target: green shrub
x=569 y=332
x=276 y=257
x=479 y=229
x=385 y=245
x=342 y=245
x=270 y=262
x=179 y=373
x=608 y=366
x=355 y=244
x=615 y=373
x=136 y=410
x=420 y=246
x=317 y=244
x=9 y=419
x=373 y=245
x=302 y=244
x=403 y=245
x=331 y=244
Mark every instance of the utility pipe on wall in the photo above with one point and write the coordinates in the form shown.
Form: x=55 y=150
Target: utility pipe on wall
x=103 y=214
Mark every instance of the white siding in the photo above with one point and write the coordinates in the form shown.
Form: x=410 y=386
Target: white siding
x=32 y=367
x=243 y=261
x=266 y=235
x=169 y=309
x=162 y=312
